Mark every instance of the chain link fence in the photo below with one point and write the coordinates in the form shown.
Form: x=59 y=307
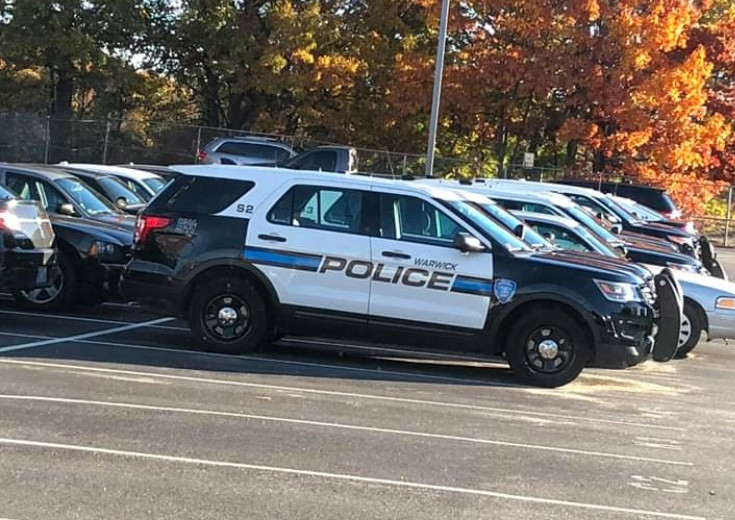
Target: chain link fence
x=34 y=139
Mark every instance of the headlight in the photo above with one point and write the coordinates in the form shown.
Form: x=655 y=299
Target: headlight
x=618 y=291
x=682 y=241
x=105 y=251
x=684 y=267
x=725 y=303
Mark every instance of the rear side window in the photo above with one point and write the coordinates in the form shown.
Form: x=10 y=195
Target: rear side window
x=654 y=199
x=324 y=160
x=258 y=151
x=333 y=209
x=203 y=195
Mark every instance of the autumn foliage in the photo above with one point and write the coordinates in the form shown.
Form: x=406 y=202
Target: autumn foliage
x=641 y=90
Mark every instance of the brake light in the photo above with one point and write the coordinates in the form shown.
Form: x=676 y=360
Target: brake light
x=146 y=224
x=201 y=156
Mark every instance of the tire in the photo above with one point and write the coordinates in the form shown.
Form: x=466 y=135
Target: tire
x=229 y=316
x=61 y=295
x=571 y=348
x=692 y=326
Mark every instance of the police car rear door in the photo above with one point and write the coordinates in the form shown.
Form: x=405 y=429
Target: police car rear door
x=420 y=276
x=308 y=242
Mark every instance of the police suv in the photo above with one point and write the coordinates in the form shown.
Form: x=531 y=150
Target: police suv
x=250 y=254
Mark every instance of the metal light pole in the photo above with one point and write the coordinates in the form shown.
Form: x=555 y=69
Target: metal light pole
x=438 y=74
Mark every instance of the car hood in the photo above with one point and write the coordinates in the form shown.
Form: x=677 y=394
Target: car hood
x=593 y=261
x=662 y=228
x=638 y=239
x=97 y=229
x=118 y=220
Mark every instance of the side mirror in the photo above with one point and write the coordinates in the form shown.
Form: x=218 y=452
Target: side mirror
x=121 y=203
x=467 y=243
x=616 y=228
x=550 y=237
x=67 y=209
x=622 y=249
x=519 y=231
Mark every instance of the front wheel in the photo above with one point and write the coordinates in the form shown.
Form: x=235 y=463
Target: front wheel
x=691 y=331
x=57 y=296
x=229 y=316
x=547 y=348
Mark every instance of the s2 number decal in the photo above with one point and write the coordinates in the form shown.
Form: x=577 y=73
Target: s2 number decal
x=245 y=208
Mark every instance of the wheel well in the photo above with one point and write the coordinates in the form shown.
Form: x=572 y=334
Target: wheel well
x=72 y=253
x=700 y=311
x=523 y=310
x=230 y=271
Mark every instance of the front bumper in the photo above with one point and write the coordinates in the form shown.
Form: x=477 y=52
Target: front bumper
x=721 y=324
x=625 y=337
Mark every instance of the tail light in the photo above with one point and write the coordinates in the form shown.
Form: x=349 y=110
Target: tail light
x=145 y=224
x=201 y=156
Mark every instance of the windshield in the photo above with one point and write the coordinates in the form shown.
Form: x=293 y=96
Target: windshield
x=595 y=242
x=154 y=183
x=511 y=222
x=591 y=222
x=116 y=189
x=87 y=199
x=640 y=211
x=619 y=210
x=489 y=227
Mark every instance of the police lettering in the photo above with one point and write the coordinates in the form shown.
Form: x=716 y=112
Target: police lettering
x=410 y=277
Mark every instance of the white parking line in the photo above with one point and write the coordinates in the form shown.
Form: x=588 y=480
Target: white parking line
x=343 y=426
x=507 y=412
x=88 y=320
x=54 y=341
x=346 y=477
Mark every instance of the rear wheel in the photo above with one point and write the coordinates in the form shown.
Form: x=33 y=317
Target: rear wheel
x=547 y=348
x=59 y=295
x=229 y=316
x=691 y=330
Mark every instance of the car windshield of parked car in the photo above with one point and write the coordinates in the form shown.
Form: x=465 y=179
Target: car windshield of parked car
x=583 y=217
x=641 y=211
x=87 y=199
x=154 y=183
x=490 y=228
x=511 y=222
x=116 y=189
x=620 y=210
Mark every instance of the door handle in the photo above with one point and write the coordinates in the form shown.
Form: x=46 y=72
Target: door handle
x=394 y=254
x=272 y=238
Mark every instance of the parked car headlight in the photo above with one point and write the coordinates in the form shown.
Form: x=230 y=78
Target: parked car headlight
x=725 y=303
x=619 y=291
x=105 y=251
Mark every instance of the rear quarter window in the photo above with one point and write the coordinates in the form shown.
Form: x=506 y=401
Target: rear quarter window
x=203 y=195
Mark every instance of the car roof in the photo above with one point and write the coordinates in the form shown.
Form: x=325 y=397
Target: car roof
x=548 y=219
x=278 y=176
x=252 y=139
x=122 y=171
x=516 y=184
x=48 y=172
x=555 y=199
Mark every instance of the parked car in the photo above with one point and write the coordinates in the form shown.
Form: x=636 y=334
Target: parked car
x=650 y=215
x=654 y=198
x=245 y=151
x=164 y=172
x=114 y=190
x=143 y=183
x=709 y=303
x=336 y=159
x=254 y=253
x=93 y=239
x=27 y=245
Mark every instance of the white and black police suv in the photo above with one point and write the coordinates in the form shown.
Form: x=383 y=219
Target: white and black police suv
x=251 y=254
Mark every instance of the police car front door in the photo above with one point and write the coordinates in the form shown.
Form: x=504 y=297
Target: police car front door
x=420 y=276
x=312 y=247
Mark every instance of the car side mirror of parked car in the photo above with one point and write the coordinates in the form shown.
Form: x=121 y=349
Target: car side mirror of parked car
x=616 y=228
x=519 y=231
x=467 y=243
x=550 y=237
x=67 y=209
x=121 y=203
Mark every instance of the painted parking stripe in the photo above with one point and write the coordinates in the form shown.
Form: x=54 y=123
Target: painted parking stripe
x=54 y=341
x=345 y=477
x=342 y=426
x=353 y=395
x=87 y=320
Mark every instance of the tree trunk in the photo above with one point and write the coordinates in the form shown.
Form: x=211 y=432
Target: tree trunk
x=61 y=114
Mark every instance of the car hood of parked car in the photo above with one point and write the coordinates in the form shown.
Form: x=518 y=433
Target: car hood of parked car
x=95 y=228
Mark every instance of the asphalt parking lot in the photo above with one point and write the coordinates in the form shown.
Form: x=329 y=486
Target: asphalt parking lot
x=111 y=413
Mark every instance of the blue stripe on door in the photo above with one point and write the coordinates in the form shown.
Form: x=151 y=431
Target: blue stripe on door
x=470 y=285
x=285 y=259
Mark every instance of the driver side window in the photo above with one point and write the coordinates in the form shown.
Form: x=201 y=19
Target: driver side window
x=562 y=237
x=51 y=197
